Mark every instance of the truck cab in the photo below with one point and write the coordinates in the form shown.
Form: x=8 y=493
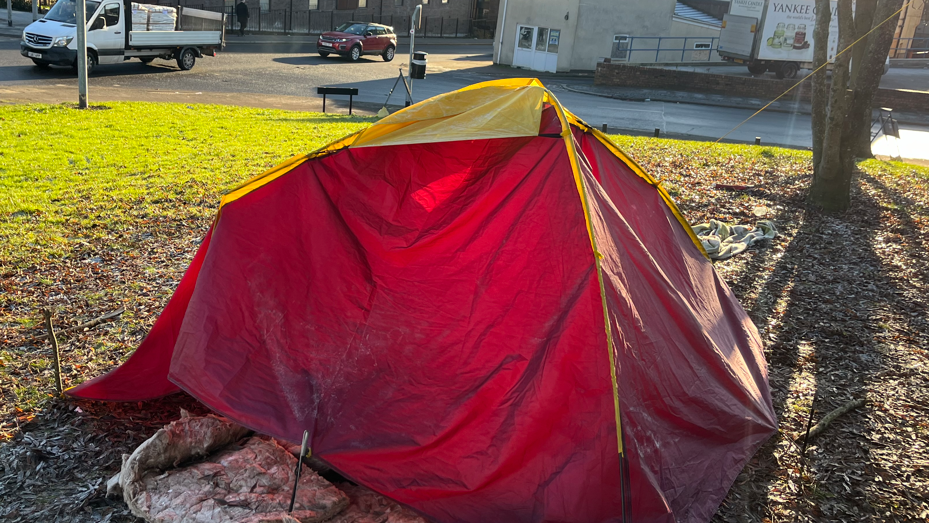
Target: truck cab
x=110 y=40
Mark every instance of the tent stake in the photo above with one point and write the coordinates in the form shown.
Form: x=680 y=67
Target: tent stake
x=51 y=336
x=806 y=439
x=293 y=495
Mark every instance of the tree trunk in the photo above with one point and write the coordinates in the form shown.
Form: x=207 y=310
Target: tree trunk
x=831 y=185
x=820 y=100
x=867 y=75
x=841 y=119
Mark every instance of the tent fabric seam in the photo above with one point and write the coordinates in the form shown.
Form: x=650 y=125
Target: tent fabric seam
x=582 y=193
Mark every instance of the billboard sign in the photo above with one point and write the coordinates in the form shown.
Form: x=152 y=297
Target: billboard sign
x=748 y=8
x=787 y=33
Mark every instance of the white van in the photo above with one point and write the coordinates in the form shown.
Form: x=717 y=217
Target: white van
x=118 y=30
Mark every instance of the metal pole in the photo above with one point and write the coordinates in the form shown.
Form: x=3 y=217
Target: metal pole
x=502 y=30
x=9 y=13
x=416 y=13
x=81 y=53
x=35 y=9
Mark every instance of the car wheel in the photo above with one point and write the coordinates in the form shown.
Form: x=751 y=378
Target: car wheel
x=389 y=53
x=187 y=59
x=355 y=53
x=40 y=63
x=323 y=53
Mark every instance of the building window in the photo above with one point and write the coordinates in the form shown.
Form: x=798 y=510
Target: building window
x=541 y=39
x=702 y=45
x=444 y=1
x=264 y=5
x=425 y=2
x=362 y=3
x=314 y=4
x=620 y=49
x=525 y=38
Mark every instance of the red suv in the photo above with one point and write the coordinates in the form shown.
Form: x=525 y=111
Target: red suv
x=353 y=39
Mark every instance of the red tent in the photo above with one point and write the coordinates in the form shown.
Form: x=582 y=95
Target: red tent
x=478 y=306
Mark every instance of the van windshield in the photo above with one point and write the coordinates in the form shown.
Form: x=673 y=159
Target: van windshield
x=350 y=28
x=66 y=11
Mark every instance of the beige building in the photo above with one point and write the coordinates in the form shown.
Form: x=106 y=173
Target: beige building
x=559 y=35
x=911 y=39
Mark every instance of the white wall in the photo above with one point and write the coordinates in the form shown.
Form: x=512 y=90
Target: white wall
x=539 y=13
x=695 y=32
x=598 y=20
x=602 y=19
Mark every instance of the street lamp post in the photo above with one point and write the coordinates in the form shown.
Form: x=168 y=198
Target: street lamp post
x=9 y=13
x=81 y=23
x=35 y=9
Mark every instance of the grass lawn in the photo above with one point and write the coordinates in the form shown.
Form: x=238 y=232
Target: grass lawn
x=103 y=209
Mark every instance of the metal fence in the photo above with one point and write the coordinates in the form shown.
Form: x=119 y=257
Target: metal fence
x=903 y=48
x=311 y=22
x=664 y=49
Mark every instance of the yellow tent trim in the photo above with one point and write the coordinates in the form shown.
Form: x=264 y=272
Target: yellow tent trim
x=636 y=168
x=585 y=205
x=283 y=168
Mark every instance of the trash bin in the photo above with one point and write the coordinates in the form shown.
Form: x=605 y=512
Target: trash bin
x=418 y=67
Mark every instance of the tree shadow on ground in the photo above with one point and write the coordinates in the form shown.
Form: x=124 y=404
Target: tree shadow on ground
x=823 y=310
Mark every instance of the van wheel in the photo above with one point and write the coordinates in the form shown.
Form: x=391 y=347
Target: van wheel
x=389 y=54
x=186 y=59
x=92 y=62
x=788 y=70
x=757 y=68
x=355 y=53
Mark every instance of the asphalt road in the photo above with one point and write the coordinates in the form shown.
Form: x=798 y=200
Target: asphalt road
x=296 y=71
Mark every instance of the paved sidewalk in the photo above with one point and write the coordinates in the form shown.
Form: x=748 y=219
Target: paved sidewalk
x=717 y=100
x=20 y=21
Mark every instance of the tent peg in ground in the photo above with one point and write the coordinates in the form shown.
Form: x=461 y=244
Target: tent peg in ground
x=293 y=495
x=757 y=140
x=829 y=418
x=51 y=336
x=657 y=132
x=605 y=128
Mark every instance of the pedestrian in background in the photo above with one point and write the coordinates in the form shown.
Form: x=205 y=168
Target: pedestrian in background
x=241 y=12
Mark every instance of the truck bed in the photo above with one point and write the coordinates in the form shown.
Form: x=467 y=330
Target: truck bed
x=152 y=39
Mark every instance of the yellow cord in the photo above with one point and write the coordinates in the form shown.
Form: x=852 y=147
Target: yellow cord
x=815 y=71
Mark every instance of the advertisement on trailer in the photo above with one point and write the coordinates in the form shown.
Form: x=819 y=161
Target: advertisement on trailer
x=749 y=8
x=787 y=33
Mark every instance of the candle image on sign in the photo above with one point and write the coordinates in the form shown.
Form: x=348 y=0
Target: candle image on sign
x=785 y=34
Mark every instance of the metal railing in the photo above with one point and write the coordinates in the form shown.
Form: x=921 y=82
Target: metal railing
x=903 y=48
x=665 y=49
x=313 y=22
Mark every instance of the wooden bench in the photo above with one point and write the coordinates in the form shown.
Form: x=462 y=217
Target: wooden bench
x=346 y=91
